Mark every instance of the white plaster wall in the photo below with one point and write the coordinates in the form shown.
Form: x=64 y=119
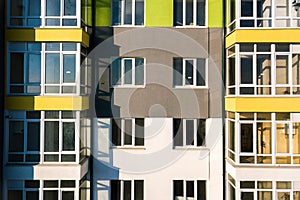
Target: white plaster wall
x=158 y=163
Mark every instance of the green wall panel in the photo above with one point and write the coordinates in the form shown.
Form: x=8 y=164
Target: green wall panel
x=102 y=13
x=159 y=13
x=215 y=13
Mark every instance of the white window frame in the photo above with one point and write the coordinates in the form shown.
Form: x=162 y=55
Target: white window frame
x=194 y=85
x=294 y=49
x=133 y=132
x=61 y=84
x=294 y=118
x=60 y=152
x=184 y=126
x=271 y=20
x=122 y=11
x=194 y=25
x=19 y=116
x=133 y=70
x=60 y=189
x=184 y=188
x=132 y=188
x=61 y=17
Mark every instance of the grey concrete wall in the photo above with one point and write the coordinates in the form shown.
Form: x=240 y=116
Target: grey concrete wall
x=159 y=98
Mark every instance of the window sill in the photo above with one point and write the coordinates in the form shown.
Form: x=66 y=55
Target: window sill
x=190 y=148
x=128 y=26
x=128 y=147
x=187 y=26
x=128 y=86
x=190 y=87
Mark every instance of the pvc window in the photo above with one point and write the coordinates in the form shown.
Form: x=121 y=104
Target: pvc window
x=264 y=138
x=44 y=68
x=127 y=189
x=24 y=13
x=190 y=72
x=23 y=130
x=23 y=190
x=189 y=132
x=128 y=72
x=128 y=132
x=190 y=13
x=128 y=12
x=271 y=13
x=263 y=69
x=189 y=189
x=61 y=190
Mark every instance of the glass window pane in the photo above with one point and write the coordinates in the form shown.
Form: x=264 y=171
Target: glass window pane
x=189 y=14
x=201 y=13
x=139 y=71
x=17 y=8
x=52 y=7
x=16 y=136
x=246 y=69
x=32 y=184
x=50 y=184
x=201 y=132
x=34 y=71
x=68 y=195
x=296 y=138
x=51 y=137
x=68 y=184
x=138 y=190
x=264 y=138
x=139 y=12
x=177 y=132
x=201 y=190
x=296 y=71
x=68 y=136
x=17 y=68
x=70 y=7
x=189 y=72
x=201 y=72
x=14 y=195
x=69 y=46
x=115 y=188
x=51 y=114
x=178 y=71
x=116 y=10
x=52 y=46
x=32 y=195
x=116 y=72
x=178 y=13
x=116 y=132
x=50 y=194
x=128 y=71
x=263 y=70
x=247 y=138
x=69 y=22
x=128 y=132
x=128 y=12
x=282 y=138
x=190 y=132
x=139 y=132
x=190 y=189
x=52 y=68
x=282 y=72
x=34 y=8
x=127 y=190
x=33 y=136
x=247 y=195
x=231 y=71
x=247 y=8
x=178 y=189
x=69 y=68
x=231 y=135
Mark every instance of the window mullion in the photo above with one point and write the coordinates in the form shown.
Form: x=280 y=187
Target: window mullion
x=133 y=132
x=183 y=71
x=184 y=190
x=122 y=12
x=122 y=71
x=273 y=138
x=132 y=190
x=60 y=138
x=121 y=190
x=195 y=72
x=184 y=132
x=42 y=133
x=122 y=131
x=290 y=124
x=133 y=71
x=254 y=64
x=194 y=12
x=133 y=12
x=62 y=3
x=43 y=66
x=273 y=70
x=61 y=71
x=195 y=133
x=184 y=12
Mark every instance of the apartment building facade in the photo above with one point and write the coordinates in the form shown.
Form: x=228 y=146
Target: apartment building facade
x=261 y=103
x=113 y=99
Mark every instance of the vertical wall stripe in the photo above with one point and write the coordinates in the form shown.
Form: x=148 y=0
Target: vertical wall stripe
x=215 y=13
x=159 y=13
x=103 y=13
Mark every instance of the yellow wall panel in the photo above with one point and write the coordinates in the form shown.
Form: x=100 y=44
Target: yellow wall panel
x=47 y=103
x=262 y=104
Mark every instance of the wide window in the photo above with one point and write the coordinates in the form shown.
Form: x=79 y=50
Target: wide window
x=127 y=189
x=189 y=12
x=24 y=136
x=127 y=12
x=189 y=132
x=61 y=13
x=263 y=69
x=128 y=72
x=60 y=190
x=189 y=72
x=189 y=189
x=44 y=68
x=23 y=190
x=266 y=138
x=128 y=132
x=24 y=13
